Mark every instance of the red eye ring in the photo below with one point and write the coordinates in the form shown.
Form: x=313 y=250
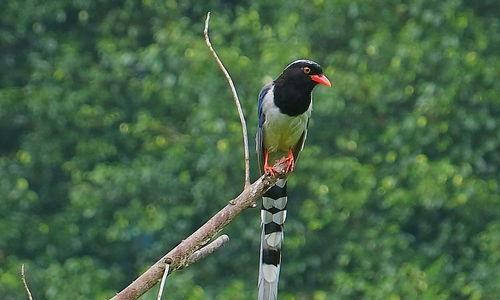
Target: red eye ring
x=306 y=70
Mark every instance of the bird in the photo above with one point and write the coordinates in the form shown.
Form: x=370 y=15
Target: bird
x=284 y=109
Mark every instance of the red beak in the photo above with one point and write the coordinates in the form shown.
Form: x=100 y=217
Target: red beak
x=321 y=79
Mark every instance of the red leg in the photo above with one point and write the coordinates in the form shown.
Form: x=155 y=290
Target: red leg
x=267 y=168
x=290 y=162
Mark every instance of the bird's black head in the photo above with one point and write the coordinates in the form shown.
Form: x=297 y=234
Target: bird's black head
x=293 y=88
x=304 y=74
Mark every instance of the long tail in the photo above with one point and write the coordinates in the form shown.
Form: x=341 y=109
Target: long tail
x=273 y=215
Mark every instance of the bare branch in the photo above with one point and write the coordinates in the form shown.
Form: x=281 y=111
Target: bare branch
x=162 y=284
x=188 y=251
x=23 y=277
x=208 y=249
x=236 y=101
x=179 y=256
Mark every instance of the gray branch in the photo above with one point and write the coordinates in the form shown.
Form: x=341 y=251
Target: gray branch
x=208 y=249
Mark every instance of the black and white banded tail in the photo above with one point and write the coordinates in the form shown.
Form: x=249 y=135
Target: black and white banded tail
x=273 y=215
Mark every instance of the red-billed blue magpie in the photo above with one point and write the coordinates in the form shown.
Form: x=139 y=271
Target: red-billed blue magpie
x=284 y=109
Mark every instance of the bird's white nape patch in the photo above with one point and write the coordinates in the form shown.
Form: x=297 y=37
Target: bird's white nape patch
x=270 y=272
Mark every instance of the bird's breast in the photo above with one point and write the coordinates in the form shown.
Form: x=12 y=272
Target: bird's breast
x=282 y=132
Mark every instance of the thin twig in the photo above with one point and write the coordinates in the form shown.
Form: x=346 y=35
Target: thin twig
x=162 y=284
x=208 y=249
x=236 y=101
x=196 y=256
x=23 y=277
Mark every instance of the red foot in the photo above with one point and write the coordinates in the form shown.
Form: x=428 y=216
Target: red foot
x=269 y=170
x=290 y=162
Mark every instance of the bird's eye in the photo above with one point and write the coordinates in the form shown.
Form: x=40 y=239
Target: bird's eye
x=306 y=70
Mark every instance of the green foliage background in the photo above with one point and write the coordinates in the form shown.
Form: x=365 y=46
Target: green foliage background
x=118 y=137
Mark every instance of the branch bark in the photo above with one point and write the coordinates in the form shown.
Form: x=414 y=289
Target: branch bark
x=208 y=249
x=179 y=256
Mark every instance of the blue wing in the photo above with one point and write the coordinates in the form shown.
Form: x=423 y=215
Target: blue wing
x=259 y=139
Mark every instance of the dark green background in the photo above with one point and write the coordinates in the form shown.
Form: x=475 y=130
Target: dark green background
x=118 y=137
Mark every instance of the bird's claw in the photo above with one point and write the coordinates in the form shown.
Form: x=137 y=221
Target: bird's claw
x=270 y=170
x=289 y=160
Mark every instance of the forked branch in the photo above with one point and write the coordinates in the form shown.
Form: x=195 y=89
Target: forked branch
x=193 y=247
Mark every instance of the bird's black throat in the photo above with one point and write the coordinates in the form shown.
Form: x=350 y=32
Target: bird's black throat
x=292 y=98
